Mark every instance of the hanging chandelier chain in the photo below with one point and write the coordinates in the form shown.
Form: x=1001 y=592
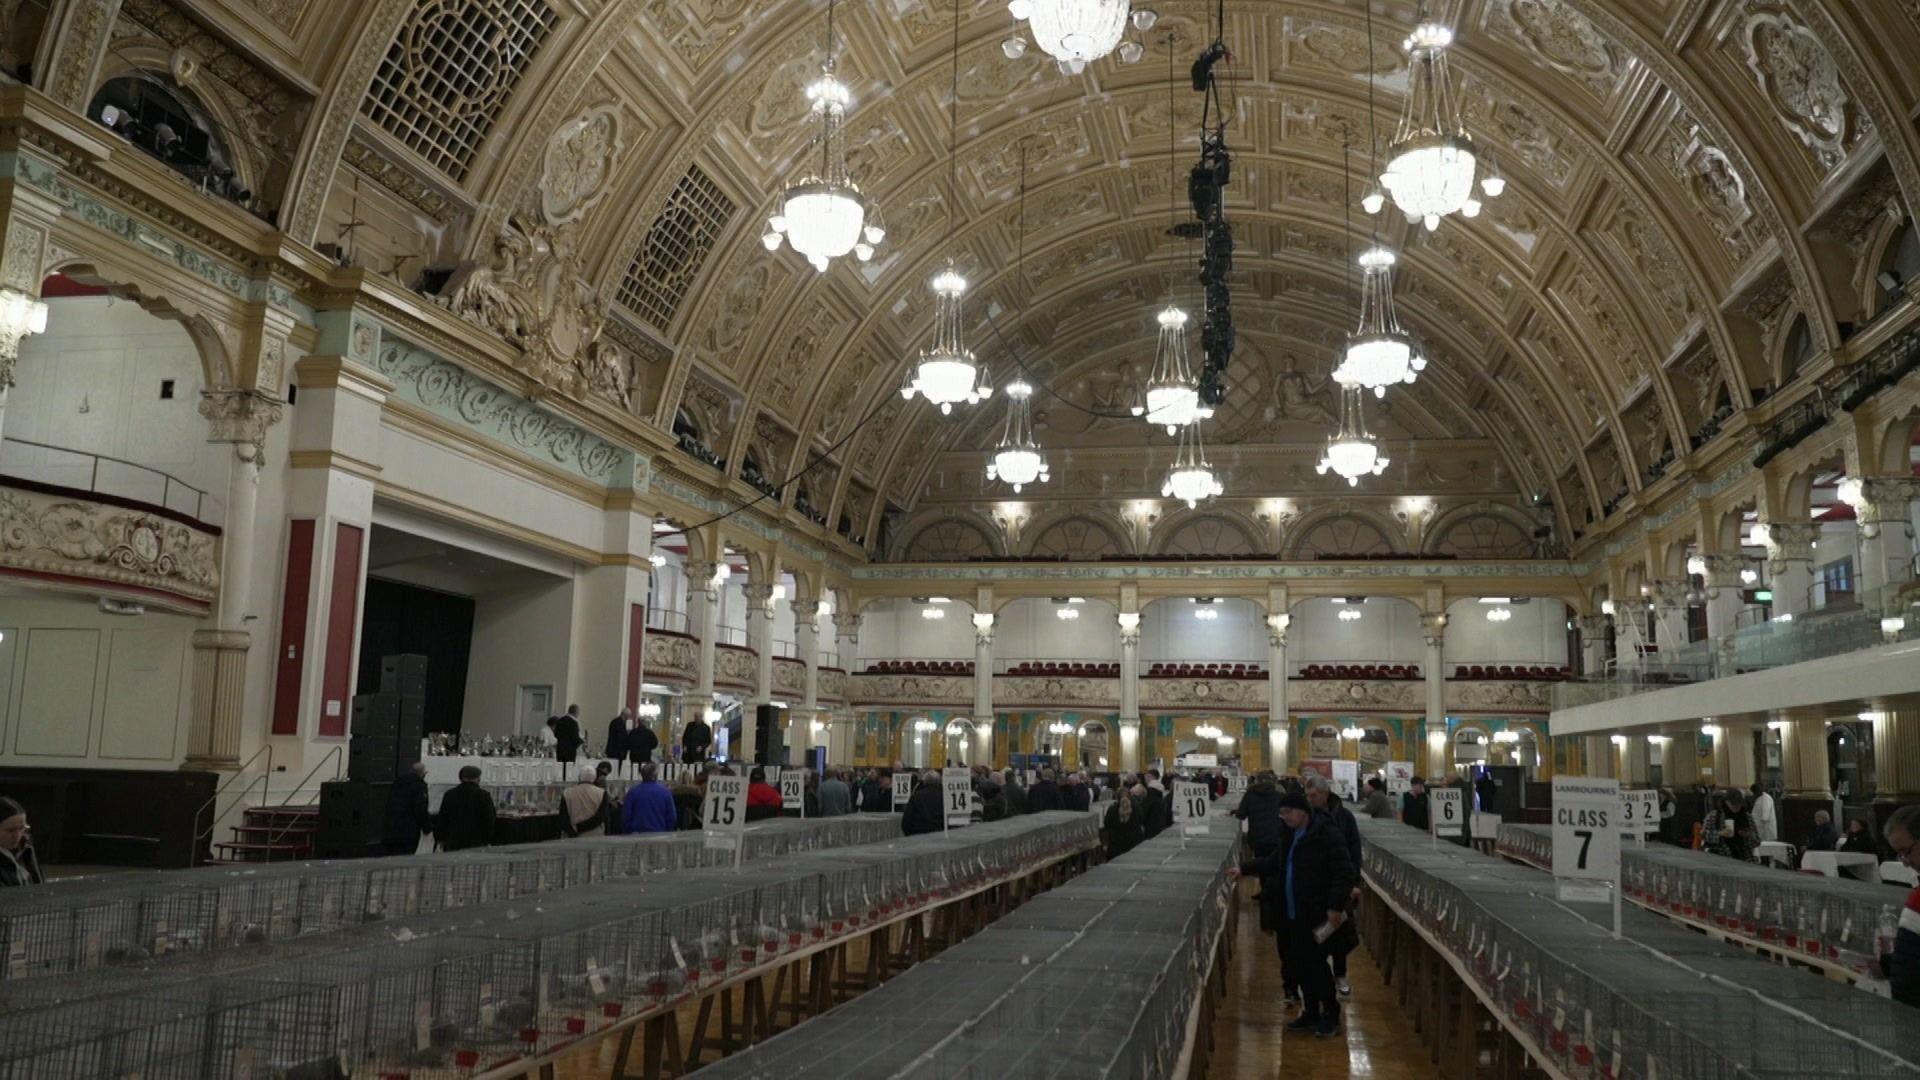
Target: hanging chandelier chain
x=953 y=136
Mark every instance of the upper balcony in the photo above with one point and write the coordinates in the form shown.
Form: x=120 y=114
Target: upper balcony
x=1845 y=655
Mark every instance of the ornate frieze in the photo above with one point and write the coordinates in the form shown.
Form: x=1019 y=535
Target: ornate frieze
x=833 y=685
x=1203 y=693
x=1371 y=694
x=1232 y=572
x=789 y=678
x=672 y=658
x=1474 y=695
x=734 y=666
x=71 y=538
x=456 y=394
x=954 y=690
x=1014 y=691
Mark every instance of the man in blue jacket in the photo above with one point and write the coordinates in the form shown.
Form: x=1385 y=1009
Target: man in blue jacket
x=1314 y=878
x=649 y=806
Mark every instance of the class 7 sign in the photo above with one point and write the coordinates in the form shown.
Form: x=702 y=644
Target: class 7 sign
x=1586 y=836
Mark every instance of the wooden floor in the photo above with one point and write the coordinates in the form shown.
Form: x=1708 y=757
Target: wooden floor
x=1379 y=1043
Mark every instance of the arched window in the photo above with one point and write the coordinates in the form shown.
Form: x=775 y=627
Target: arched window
x=1484 y=536
x=949 y=541
x=154 y=113
x=1075 y=538
x=1207 y=538
x=1343 y=537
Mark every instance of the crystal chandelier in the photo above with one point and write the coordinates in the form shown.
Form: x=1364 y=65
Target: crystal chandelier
x=1077 y=32
x=1018 y=460
x=1431 y=162
x=1173 y=395
x=1351 y=452
x=946 y=374
x=823 y=215
x=1191 y=479
x=1378 y=355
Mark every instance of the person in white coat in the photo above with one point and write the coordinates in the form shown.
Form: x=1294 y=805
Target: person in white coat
x=1765 y=821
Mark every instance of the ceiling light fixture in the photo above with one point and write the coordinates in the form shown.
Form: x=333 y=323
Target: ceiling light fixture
x=1018 y=460
x=1431 y=162
x=946 y=374
x=1352 y=453
x=1499 y=614
x=933 y=613
x=1173 y=398
x=1378 y=353
x=823 y=215
x=1066 y=613
x=1077 y=32
x=1191 y=478
x=1348 y=614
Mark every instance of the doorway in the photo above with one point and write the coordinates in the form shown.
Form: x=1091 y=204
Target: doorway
x=536 y=705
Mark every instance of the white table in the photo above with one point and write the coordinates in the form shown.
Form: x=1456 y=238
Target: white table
x=1899 y=872
x=1777 y=852
x=1853 y=864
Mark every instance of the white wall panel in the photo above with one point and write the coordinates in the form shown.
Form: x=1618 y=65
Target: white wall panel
x=520 y=636
x=57 y=692
x=146 y=674
x=1172 y=630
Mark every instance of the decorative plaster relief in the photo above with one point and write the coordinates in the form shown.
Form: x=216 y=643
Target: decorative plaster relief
x=49 y=534
x=455 y=394
x=578 y=160
x=671 y=658
x=1803 y=85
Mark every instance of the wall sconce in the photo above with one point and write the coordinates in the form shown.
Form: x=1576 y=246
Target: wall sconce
x=1352 y=734
x=1606 y=608
x=1129 y=620
x=1618 y=740
x=983 y=620
x=1711 y=731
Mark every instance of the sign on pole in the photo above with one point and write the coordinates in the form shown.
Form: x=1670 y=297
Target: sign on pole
x=1639 y=813
x=1399 y=777
x=957 y=787
x=793 y=791
x=1236 y=783
x=1586 y=838
x=1346 y=780
x=723 y=816
x=902 y=789
x=1446 y=811
x=1190 y=808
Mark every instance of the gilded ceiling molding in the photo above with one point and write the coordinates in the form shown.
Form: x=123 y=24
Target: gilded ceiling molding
x=330 y=124
x=1846 y=43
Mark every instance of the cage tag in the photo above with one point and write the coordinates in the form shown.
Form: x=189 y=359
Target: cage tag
x=422 y=1024
x=594 y=978
x=679 y=960
x=16 y=959
x=243 y=1063
x=486 y=1004
x=159 y=939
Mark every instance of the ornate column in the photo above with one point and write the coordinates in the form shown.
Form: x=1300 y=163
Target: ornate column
x=1593 y=645
x=1790 y=564
x=1885 y=508
x=1129 y=666
x=1679 y=761
x=239 y=418
x=1634 y=761
x=806 y=638
x=703 y=622
x=846 y=628
x=982 y=683
x=1602 y=756
x=1129 y=744
x=1723 y=606
x=1670 y=616
x=1278 y=725
x=1733 y=755
x=759 y=616
x=1806 y=773
x=1896 y=761
x=1433 y=626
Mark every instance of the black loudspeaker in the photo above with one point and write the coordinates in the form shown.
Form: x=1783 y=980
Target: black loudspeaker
x=376 y=715
x=767 y=748
x=372 y=759
x=353 y=819
x=404 y=674
x=412 y=723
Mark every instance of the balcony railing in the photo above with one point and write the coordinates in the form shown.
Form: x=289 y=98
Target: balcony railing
x=1891 y=614
x=102 y=474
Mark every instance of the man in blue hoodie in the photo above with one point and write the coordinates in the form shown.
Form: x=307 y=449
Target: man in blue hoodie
x=649 y=806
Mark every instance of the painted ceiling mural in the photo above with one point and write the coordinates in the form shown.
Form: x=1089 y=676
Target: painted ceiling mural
x=1686 y=183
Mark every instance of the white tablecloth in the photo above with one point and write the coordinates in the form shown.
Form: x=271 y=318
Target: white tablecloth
x=1776 y=852
x=1900 y=872
x=1853 y=864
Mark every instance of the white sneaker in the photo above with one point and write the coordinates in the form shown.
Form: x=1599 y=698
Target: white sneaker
x=1345 y=988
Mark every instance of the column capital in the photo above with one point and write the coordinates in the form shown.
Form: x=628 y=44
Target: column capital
x=1790 y=541
x=847 y=624
x=1723 y=571
x=700 y=576
x=805 y=611
x=241 y=417
x=1433 y=626
x=1882 y=499
x=1130 y=637
x=1670 y=592
x=1593 y=627
x=759 y=597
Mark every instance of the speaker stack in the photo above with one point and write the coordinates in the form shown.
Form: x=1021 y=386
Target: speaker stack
x=387 y=729
x=769 y=735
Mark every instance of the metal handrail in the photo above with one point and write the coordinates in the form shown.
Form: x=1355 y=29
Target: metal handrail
x=93 y=483
x=334 y=754
x=265 y=748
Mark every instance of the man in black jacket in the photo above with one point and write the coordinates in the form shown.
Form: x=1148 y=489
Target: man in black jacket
x=695 y=738
x=407 y=812
x=1045 y=795
x=641 y=743
x=466 y=814
x=926 y=807
x=619 y=734
x=1310 y=879
x=566 y=735
x=1260 y=809
x=1413 y=810
x=1326 y=804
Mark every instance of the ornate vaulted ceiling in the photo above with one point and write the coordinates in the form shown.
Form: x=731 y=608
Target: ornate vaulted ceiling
x=1689 y=179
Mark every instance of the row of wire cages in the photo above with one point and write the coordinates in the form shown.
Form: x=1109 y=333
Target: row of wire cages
x=1095 y=978
x=1664 y=1002
x=86 y=924
x=496 y=974
x=1841 y=921
x=183 y=1029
